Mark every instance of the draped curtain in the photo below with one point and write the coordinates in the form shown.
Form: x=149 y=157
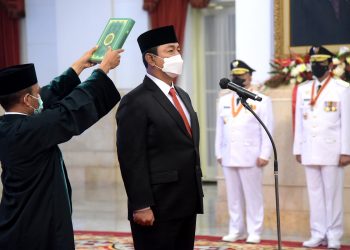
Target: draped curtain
x=10 y=13
x=170 y=12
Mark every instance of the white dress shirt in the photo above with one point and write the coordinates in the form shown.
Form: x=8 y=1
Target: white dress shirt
x=165 y=88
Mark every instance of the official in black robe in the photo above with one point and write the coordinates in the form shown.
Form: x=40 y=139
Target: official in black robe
x=158 y=151
x=36 y=207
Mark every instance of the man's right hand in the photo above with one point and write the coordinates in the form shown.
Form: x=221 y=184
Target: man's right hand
x=144 y=217
x=298 y=158
x=111 y=59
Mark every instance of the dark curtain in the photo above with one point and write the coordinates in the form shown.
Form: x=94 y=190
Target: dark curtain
x=170 y=12
x=10 y=13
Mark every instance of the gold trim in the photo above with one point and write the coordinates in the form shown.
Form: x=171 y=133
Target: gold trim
x=319 y=58
x=278 y=18
x=282 y=32
x=239 y=71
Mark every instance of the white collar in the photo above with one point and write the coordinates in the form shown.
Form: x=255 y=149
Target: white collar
x=164 y=87
x=317 y=82
x=14 y=113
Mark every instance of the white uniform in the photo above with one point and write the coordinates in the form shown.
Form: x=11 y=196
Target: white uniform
x=322 y=134
x=240 y=141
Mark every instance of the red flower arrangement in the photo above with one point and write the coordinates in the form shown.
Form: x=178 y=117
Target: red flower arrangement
x=297 y=69
x=293 y=70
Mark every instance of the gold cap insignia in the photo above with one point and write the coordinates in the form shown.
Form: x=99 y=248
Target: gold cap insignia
x=239 y=71
x=319 y=58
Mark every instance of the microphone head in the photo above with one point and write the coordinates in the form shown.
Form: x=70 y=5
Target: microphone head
x=223 y=83
x=258 y=98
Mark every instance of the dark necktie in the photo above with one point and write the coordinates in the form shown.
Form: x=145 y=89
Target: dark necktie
x=172 y=93
x=238 y=100
x=318 y=88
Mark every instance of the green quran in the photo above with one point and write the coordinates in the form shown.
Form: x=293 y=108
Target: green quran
x=114 y=35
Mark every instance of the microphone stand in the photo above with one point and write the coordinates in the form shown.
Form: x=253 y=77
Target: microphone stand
x=246 y=105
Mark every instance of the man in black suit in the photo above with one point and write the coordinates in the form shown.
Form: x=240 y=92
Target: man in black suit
x=158 y=150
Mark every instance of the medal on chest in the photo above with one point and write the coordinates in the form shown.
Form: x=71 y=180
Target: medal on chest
x=330 y=106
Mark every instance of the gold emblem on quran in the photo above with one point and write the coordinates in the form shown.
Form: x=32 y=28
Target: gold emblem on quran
x=109 y=39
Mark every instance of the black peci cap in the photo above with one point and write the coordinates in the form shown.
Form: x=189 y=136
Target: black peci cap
x=156 y=37
x=16 y=78
x=239 y=67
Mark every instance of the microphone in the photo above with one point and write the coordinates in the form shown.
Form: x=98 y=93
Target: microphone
x=242 y=92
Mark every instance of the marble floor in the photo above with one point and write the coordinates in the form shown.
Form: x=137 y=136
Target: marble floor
x=101 y=206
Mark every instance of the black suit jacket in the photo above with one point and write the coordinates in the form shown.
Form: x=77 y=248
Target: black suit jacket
x=159 y=160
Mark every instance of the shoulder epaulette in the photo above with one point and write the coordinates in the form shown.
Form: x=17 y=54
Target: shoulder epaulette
x=343 y=83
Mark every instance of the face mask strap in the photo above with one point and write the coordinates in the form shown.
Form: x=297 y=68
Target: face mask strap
x=36 y=110
x=155 y=62
x=24 y=99
x=37 y=98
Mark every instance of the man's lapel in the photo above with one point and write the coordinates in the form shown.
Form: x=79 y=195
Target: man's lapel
x=165 y=103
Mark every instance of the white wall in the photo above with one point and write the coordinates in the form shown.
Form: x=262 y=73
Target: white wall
x=132 y=69
x=39 y=38
x=55 y=33
x=254 y=35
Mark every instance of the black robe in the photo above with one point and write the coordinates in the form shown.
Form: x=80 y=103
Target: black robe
x=36 y=207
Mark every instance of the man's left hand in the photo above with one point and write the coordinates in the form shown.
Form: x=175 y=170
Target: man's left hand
x=261 y=162
x=344 y=160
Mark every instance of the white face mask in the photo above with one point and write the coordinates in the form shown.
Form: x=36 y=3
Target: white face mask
x=172 y=65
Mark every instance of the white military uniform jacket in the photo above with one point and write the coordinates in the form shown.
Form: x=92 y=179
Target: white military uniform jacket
x=240 y=139
x=322 y=132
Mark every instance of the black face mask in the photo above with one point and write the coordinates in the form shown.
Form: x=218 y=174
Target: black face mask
x=347 y=75
x=238 y=81
x=319 y=70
